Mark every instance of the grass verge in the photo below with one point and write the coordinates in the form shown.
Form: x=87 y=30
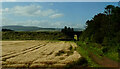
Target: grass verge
x=85 y=53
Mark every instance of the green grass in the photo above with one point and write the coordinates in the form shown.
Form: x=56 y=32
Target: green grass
x=97 y=49
x=112 y=52
x=81 y=49
x=113 y=55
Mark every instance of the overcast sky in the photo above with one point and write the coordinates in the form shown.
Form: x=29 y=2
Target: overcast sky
x=51 y=14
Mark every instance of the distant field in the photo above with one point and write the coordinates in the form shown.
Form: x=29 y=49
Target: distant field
x=38 y=53
x=45 y=35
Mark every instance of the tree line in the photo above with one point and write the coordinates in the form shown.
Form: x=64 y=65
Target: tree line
x=68 y=31
x=104 y=28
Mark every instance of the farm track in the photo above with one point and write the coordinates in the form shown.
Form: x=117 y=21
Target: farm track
x=103 y=61
x=37 y=54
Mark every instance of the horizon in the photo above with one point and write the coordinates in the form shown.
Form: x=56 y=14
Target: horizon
x=37 y=27
x=51 y=14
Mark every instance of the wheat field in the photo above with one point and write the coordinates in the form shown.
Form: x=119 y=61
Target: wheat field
x=38 y=53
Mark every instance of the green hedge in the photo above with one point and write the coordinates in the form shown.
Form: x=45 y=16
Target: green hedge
x=32 y=35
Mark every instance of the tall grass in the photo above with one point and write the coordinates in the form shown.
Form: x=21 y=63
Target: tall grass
x=85 y=53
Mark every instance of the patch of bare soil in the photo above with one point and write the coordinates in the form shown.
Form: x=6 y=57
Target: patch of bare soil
x=104 y=61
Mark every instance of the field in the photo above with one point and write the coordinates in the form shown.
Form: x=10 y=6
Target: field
x=35 y=53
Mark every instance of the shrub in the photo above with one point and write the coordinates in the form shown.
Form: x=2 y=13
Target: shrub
x=82 y=61
x=105 y=50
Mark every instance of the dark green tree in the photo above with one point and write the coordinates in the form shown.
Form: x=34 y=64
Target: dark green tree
x=104 y=27
x=68 y=31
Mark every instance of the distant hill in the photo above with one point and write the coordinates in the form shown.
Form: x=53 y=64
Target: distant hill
x=33 y=28
x=25 y=28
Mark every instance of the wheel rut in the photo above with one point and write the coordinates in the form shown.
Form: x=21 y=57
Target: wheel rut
x=11 y=55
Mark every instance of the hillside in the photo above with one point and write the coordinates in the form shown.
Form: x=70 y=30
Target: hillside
x=34 y=28
x=25 y=28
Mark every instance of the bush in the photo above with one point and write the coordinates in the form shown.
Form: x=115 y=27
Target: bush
x=81 y=62
x=105 y=50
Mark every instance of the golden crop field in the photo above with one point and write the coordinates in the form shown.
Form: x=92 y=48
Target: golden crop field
x=38 y=53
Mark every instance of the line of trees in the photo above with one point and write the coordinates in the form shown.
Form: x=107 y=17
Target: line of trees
x=7 y=30
x=13 y=35
x=104 y=27
x=68 y=31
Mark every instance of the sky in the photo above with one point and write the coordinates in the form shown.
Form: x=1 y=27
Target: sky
x=51 y=14
x=59 y=0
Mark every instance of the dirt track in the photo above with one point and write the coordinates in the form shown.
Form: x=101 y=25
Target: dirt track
x=104 y=61
x=38 y=53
